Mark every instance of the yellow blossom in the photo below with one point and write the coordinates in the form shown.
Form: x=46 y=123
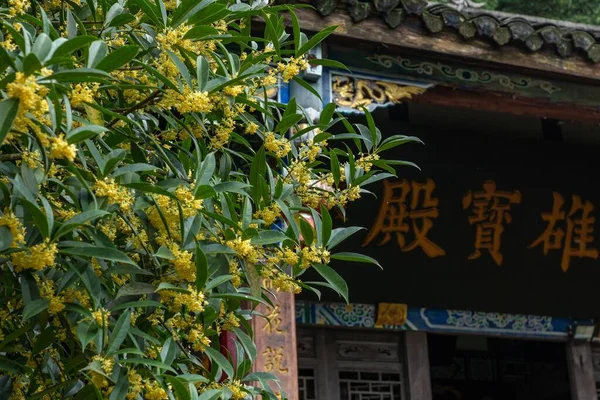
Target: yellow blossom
x=18 y=7
x=281 y=147
x=115 y=193
x=61 y=149
x=83 y=93
x=100 y=316
x=155 y=392
x=17 y=230
x=36 y=257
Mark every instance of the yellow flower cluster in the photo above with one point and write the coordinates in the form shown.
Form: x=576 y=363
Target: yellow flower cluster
x=115 y=193
x=311 y=150
x=154 y=391
x=251 y=128
x=47 y=291
x=100 y=316
x=135 y=384
x=168 y=206
x=174 y=301
x=36 y=257
x=312 y=255
x=61 y=149
x=244 y=249
x=107 y=364
x=31 y=100
x=187 y=101
x=197 y=338
x=18 y=7
x=293 y=67
x=268 y=214
x=280 y=147
x=17 y=230
x=230 y=322
x=185 y=267
x=83 y=93
x=366 y=161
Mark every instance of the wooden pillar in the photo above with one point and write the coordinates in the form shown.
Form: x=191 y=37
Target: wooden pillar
x=418 y=385
x=275 y=339
x=581 y=371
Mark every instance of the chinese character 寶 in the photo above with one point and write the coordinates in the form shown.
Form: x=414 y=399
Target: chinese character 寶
x=400 y=215
x=490 y=211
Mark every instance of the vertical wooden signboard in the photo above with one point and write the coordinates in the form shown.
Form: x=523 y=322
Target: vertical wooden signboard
x=275 y=338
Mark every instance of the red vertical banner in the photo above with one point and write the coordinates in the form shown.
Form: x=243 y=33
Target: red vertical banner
x=275 y=338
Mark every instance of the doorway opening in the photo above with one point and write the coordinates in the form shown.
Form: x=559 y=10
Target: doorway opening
x=484 y=368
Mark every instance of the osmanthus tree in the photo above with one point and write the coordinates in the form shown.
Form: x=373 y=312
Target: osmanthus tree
x=149 y=186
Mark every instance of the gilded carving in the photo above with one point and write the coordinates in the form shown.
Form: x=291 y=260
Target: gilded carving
x=355 y=93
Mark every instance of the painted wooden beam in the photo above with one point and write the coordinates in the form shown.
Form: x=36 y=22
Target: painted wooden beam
x=497 y=102
x=581 y=371
x=413 y=36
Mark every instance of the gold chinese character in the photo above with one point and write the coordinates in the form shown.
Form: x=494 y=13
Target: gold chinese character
x=578 y=235
x=274 y=359
x=399 y=218
x=274 y=320
x=490 y=212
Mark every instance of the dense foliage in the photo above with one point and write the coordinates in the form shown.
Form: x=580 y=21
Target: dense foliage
x=582 y=11
x=149 y=186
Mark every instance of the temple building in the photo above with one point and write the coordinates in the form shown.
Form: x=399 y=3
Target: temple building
x=490 y=249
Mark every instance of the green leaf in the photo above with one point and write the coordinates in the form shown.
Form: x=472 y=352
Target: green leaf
x=119 y=332
x=187 y=8
x=328 y=63
x=200 y=32
x=338 y=235
x=217 y=281
x=355 y=257
x=118 y=58
x=181 y=392
x=234 y=187
x=86 y=331
x=204 y=192
x=120 y=390
x=72 y=45
x=327 y=224
x=137 y=304
x=12 y=366
x=148 y=188
x=41 y=221
x=334 y=279
x=8 y=113
x=316 y=39
x=135 y=289
x=221 y=361
x=84 y=132
x=147 y=362
x=105 y=253
x=201 y=268
x=202 y=71
x=96 y=53
x=137 y=167
x=78 y=75
x=247 y=343
x=35 y=307
x=170 y=286
x=210 y=394
x=149 y=11
x=268 y=237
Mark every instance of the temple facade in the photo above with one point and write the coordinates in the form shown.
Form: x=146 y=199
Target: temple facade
x=490 y=248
